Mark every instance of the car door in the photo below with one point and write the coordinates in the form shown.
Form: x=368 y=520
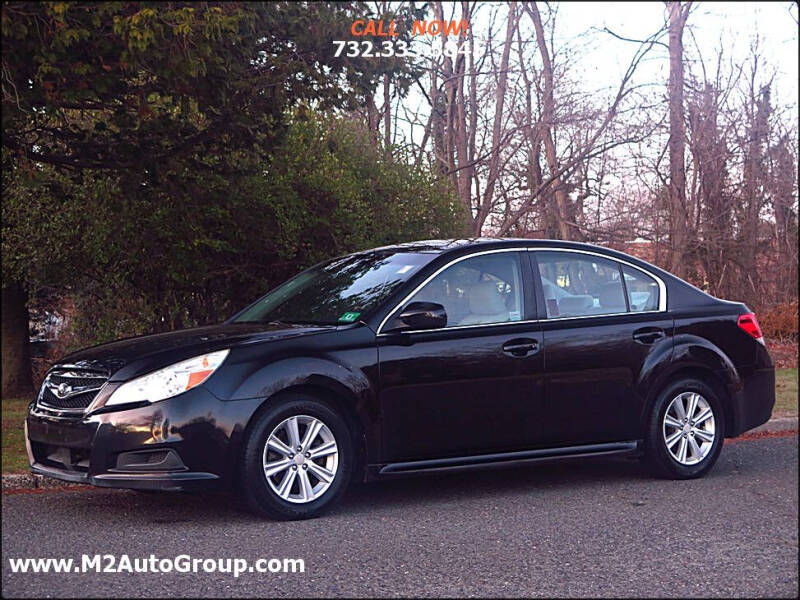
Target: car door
x=474 y=386
x=602 y=321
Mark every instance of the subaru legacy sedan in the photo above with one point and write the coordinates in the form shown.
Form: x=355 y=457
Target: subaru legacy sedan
x=422 y=357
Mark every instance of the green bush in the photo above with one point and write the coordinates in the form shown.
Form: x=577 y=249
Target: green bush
x=195 y=246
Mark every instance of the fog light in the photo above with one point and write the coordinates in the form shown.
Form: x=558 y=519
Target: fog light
x=150 y=460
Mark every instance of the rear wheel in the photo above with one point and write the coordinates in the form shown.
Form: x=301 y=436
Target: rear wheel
x=297 y=459
x=686 y=430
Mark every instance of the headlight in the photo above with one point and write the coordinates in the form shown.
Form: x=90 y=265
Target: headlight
x=169 y=381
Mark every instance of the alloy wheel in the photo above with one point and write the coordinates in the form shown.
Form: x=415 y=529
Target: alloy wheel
x=300 y=459
x=689 y=428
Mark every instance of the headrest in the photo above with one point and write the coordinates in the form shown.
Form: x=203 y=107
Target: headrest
x=548 y=289
x=484 y=299
x=611 y=296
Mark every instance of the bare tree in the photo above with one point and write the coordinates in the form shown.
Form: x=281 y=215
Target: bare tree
x=678 y=14
x=497 y=126
x=566 y=226
x=704 y=183
x=591 y=145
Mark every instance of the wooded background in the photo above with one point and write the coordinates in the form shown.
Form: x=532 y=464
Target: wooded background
x=166 y=163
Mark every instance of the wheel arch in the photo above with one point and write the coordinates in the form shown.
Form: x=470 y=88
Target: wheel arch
x=697 y=358
x=343 y=402
x=347 y=392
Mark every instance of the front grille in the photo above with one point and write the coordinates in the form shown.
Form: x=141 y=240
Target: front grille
x=78 y=401
x=58 y=379
x=71 y=390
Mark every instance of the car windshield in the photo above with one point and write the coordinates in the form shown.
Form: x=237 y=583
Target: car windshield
x=337 y=292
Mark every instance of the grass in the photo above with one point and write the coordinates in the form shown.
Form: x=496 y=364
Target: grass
x=15 y=459
x=785 y=393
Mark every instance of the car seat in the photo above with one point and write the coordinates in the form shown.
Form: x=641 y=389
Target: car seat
x=486 y=305
x=612 y=298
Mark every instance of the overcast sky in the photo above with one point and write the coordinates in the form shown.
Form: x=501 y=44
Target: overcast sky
x=732 y=24
x=597 y=60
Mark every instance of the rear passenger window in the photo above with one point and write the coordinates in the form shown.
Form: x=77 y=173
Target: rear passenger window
x=578 y=285
x=643 y=292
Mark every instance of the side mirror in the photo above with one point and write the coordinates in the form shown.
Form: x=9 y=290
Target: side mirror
x=419 y=315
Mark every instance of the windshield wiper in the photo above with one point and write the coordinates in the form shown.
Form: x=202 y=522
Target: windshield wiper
x=280 y=322
x=301 y=322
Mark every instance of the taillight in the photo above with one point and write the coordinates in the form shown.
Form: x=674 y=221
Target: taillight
x=749 y=324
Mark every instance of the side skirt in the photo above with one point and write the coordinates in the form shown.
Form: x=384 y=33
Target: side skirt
x=461 y=463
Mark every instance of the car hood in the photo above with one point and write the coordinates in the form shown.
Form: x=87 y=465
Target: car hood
x=130 y=357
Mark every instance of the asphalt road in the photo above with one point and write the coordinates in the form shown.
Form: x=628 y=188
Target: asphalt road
x=601 y=528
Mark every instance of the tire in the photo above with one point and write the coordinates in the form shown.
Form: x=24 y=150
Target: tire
x=271 y=496
x=669 y=461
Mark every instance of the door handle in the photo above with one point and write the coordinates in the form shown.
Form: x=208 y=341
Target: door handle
x=521 y=347
x=648 y=335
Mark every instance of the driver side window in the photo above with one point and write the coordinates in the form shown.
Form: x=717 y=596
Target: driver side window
x=477 y=291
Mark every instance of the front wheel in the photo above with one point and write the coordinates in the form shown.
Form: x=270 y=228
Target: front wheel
x=685 y=431
x=297 y=458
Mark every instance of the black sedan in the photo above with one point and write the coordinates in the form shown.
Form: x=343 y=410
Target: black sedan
x=420 y=357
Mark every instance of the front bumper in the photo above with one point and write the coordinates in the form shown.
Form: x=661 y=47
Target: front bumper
x=188 y=442
x=167 y=482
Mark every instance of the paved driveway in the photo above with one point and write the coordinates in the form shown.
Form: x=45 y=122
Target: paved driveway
x=599 y=528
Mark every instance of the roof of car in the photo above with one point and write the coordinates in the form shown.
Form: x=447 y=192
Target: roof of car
x=466 y=244
x=439 y=246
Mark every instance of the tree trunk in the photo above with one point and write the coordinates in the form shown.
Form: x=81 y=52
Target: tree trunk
x=782 y=183
x=454 y=126
x=387 y=116
x=754 y=171
x=563 y=212
x=473 y=112
x=16 y=357
x=530 y=127
x=373 y=120
x=677 y=145
x=715 y=231
x=497 y=125
x=461 y=141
